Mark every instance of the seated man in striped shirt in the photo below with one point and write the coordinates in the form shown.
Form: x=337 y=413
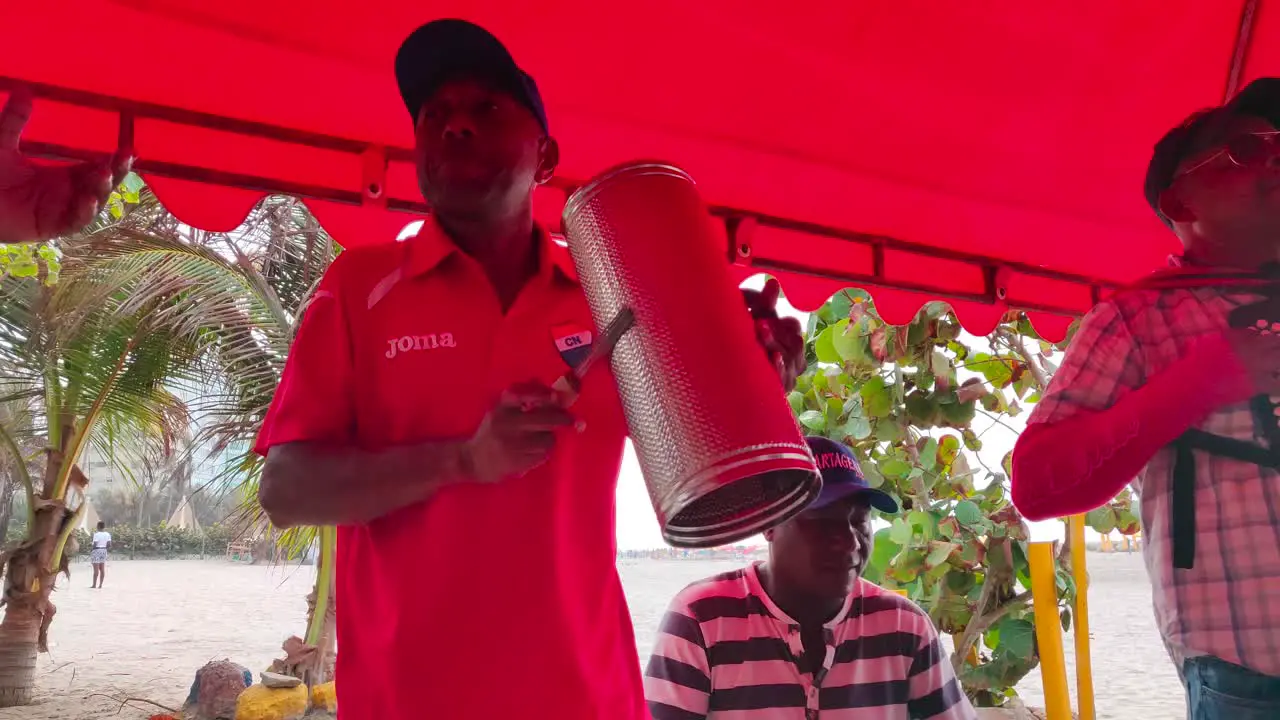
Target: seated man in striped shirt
x=802 y=636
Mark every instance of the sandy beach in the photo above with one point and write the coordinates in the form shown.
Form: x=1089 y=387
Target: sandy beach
x=156 y=622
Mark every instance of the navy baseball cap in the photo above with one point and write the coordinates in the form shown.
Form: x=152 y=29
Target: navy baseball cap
x=1206 y=129
x=444 y=50
x=842 y=477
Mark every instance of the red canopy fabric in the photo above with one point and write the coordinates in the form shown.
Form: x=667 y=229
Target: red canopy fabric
x=991 y=154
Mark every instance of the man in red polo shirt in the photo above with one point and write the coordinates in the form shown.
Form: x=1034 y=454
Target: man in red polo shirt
x=476 y=573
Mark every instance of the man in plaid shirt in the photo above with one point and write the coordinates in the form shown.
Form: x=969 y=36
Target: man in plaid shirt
x=1164 y=387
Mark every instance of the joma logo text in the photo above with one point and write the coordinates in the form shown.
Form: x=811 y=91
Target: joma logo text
x=409 y=343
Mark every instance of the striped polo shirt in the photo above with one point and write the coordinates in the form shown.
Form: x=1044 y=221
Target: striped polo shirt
x=725 y=651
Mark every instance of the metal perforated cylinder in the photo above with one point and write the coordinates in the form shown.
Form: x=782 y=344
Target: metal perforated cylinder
x=721 y=454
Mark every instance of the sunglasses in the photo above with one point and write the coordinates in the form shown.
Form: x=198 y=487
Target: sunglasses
x=1247 y=150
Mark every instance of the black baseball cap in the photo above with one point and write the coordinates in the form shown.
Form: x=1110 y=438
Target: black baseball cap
x=842 y=477
x=444 y=50
x=1206 y=129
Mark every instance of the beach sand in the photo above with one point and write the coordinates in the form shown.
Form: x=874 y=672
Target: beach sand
x=157 y=622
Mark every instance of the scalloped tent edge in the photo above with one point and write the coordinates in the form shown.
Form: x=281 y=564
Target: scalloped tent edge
x=223 y=209
x=371 y=194
x=1023 y=199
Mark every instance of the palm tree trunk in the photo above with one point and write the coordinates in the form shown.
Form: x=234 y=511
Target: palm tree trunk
x=142 y=507
x=8 y=488
x=30 y=574
x=322 y=611
x=18 y=635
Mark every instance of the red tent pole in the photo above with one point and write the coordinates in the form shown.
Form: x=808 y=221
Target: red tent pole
x=1240 y=53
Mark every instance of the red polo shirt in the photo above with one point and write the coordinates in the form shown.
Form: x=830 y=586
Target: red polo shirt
x=488 y=601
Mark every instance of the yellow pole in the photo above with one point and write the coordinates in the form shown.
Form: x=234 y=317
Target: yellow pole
x=1053 y=666
x=1084 y=664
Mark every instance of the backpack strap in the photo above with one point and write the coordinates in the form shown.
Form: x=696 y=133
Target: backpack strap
x=1183 y=509
x=1182 y=513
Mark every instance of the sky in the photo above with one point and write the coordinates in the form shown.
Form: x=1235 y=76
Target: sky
x=638 y=526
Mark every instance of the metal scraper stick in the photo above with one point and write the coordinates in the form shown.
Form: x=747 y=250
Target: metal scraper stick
x=571 y=382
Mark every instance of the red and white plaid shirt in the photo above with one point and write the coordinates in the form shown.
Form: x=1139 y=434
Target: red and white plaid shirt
x=1227 y=604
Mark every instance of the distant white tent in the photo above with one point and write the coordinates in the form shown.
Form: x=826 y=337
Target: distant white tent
x=184 y=517
x=88 y=519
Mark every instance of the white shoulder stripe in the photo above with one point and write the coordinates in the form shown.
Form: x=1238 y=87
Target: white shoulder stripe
x=383 y=287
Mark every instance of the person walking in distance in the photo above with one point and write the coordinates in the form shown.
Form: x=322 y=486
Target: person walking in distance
x=98 y=554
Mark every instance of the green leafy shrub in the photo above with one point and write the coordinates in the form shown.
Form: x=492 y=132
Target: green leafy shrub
x=161 y=541
x=905 y=399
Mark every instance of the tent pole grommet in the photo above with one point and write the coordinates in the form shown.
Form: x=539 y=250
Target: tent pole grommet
x=373 y=185
x=740 y=231
x=1000 y=283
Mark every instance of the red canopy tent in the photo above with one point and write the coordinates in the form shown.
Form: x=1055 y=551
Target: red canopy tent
x=990 y=154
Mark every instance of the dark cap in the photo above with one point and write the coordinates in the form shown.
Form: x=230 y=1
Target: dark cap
x=842 y=477
x=1205 y=129
x=444 y=50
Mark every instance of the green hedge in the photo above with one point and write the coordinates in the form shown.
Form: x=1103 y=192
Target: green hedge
x=161 y=541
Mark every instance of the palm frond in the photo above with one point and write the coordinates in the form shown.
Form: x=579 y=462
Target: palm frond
x=147 y=312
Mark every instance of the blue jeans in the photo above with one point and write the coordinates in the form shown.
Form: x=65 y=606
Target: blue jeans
x=1219 y=690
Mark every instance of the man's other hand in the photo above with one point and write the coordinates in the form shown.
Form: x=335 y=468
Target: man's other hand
x=38 y=202
x=781 y=338
x=1260 y=355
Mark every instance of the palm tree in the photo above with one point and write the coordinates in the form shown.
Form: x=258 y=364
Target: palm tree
x=248 y=298
x=96 y=367
x=279 y=256
x=145 y=304
x=20 y=445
